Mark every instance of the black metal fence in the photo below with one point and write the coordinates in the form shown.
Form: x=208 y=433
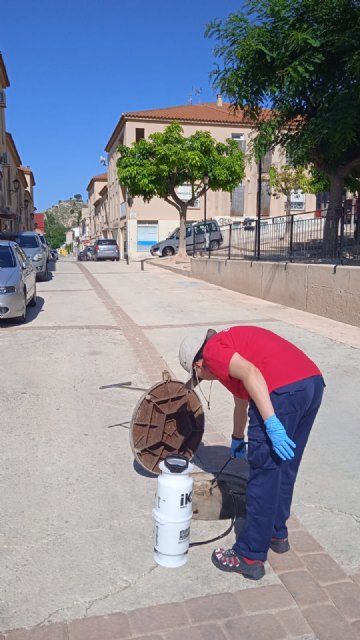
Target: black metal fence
x=295 y=238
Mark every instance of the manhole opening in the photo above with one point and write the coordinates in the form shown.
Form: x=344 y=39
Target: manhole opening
x=218 y=500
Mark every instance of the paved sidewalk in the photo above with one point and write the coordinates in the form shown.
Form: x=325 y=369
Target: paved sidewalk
x=315 y=599
x=312 y=596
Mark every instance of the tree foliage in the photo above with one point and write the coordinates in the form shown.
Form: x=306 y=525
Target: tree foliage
x=55 y=231
x=157 y=166
x=302 y=59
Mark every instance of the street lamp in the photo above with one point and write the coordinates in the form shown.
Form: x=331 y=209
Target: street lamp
x=206 y=185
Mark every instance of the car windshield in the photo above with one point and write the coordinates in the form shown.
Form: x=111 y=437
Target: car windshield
x=7 y=260
x=27 y=242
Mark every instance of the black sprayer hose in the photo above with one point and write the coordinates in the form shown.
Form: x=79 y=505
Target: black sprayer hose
x=230 y=527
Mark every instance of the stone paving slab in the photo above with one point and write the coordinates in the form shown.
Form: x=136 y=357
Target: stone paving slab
x=300 y=607
x=314 y=598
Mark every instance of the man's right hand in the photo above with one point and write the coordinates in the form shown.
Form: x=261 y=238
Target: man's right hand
x=238 y=448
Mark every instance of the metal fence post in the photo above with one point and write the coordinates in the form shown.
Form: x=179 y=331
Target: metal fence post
x=257 y=240
x=229 y=251
x=291 y=237
x=341 y=243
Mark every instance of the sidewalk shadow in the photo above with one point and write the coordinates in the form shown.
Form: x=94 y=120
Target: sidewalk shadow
x=33 y=312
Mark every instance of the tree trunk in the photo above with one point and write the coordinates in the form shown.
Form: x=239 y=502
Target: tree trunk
x=333 y=216
x=182 y=232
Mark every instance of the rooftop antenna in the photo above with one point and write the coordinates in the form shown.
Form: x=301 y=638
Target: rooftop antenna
x=197 y=93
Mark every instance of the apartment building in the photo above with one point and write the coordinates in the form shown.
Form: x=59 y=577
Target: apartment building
x=16 y=181
x=136 y=225
x=97 y=209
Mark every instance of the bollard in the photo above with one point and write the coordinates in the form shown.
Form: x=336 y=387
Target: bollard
x=142 y=265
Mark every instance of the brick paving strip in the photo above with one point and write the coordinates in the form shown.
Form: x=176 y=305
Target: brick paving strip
x=315 y=599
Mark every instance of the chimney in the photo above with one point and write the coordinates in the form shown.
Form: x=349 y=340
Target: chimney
x=219 y=101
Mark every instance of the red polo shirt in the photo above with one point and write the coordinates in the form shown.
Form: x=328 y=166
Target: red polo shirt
x=279 y=361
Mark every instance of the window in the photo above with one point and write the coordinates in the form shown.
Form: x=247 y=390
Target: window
x=185 y=193
x=266 y=162
x=6 y=258
x=265 y=198
x=139 y=134
x=21 y=255
x=237 y=200
x=240 y=139
x=28 y=242
x=106 y=241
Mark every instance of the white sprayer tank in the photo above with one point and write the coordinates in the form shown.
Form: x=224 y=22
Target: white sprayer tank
x=173 y=511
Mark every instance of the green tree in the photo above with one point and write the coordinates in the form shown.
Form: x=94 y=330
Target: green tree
x=302 y=59
x=157 y=166
x=54 y=230
x=78 y=196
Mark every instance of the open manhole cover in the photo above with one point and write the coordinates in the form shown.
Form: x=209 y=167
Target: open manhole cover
x=168 y=419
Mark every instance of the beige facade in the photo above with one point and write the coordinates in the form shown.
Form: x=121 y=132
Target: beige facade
x=27 y=208
x=136 y=224
x=85 y=225
x=96 y=207
x=16 y=182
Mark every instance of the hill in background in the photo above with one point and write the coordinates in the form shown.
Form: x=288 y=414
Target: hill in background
x=67 y=212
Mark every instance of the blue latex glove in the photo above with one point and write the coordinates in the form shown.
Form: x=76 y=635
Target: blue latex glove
x=282 y=445
x=238 y=448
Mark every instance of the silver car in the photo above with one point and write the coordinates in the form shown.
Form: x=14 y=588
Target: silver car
x=32 y=246
x=196 y=236
x=17 y=282
x=106 y=249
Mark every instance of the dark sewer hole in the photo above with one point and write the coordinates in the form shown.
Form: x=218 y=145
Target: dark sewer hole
x=218 y=500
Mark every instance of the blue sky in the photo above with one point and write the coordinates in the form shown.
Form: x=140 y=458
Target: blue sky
x=76 y=65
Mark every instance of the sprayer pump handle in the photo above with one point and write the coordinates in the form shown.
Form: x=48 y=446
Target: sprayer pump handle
x=176 y=463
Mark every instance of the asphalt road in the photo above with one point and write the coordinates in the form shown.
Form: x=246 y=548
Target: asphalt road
x=76 y=524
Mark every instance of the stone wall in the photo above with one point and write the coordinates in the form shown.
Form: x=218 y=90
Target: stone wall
x=320 y=289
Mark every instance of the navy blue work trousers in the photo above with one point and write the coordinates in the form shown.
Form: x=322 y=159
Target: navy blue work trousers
x=271 y=480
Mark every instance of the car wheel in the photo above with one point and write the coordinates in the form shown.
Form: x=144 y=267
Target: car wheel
x=32 y=302
x=22 y=319
x=167 y=251
x=214 y=244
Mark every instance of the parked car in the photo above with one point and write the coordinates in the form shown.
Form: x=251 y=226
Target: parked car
x=106 y=249
x=45 y=246
x=17 y=282
x=34 y=249
x=196 y=237
x=249 y=224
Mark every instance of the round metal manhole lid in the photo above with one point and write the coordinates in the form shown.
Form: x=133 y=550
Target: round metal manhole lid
x=168 y=419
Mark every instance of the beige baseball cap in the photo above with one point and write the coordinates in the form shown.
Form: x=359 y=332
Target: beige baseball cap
x=189 y=348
